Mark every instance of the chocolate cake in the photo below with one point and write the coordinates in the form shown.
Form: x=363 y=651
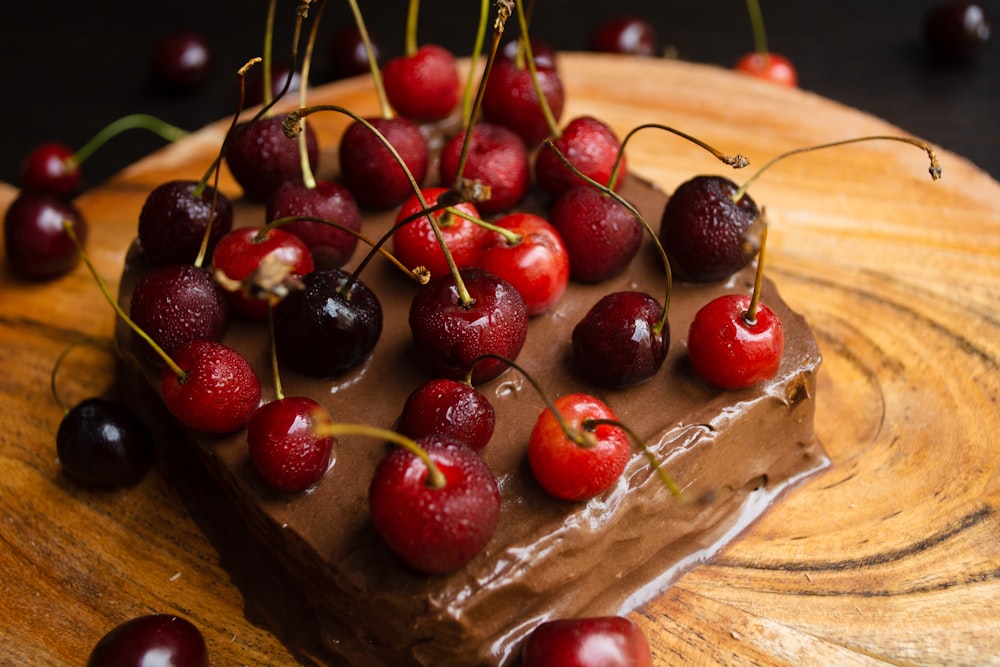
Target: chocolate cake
x=732 y=452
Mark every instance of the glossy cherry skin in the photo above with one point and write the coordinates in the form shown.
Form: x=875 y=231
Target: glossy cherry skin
x=435 y=530
x=423 y=86
x=601 y=236
x=511 y=99
x=173 y=221
x=537 y=266
x=182 y=60
x=604 y=641
x=771 y=66
x=590 y=146
x=35 y=240
x=163 y=640
x=497 y=158
x=617 y=344
x=50 y=170
x=284 y=447
x=371 y=172
x=630 y=35
x=102 y=443
x=957 y=31
x=220 y=392
x=240 y=253
x=261 y=157
x=570 y=471
x=730 y=352
x=330 y=246
x=451 y=336
x=704 y=231
x=326 y=330
x=451 y=409
x=415 y=244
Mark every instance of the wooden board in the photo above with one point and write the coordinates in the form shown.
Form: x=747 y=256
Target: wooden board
x=891 y=556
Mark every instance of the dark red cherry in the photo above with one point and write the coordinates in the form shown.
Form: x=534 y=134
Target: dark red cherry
x=173 y=221
x=603 y=641
x=601 y=236
x=704 y=231
x=511 y=99
x=497 y=158
x=630 y=35
x=177 y=304
x=327 y=328
x=451 y=335
x=349 y=55
x=448 y=408
x=163 y=640
x=220 y=392
x=590 y=146
x=424 y=85
x=371 y=172
x=50 y=170
x=957 y=31
x=35 y=240
x=731 y=351
x=770 y=66
x=619 y=342
x=435 y=530
x=181 y=60
x=284 y=447
x=415 y=243
x=328 y=200
x=261 y=157
x=102 y=443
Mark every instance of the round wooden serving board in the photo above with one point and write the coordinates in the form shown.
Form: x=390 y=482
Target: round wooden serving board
x=890 y=556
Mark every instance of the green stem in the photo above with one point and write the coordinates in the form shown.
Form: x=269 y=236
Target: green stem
x=757 y=23
x=750 y=316
x=372 y=64
x=325 y=428
x=411 y=27
x=525 y=42
x=103 y=344
x=268 y=52
x=140 y=121
x=477 y=48
x=591 y=424
x=278 y=391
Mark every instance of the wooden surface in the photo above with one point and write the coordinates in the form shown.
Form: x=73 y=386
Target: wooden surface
x=891 y=556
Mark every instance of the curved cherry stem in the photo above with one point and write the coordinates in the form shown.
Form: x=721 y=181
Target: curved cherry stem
x=750 y=316
x=106 y=345
x=934 y=170
x=308 y=178
x=178 y=371
x=525 y=43
x=376 y=73
x=325 y=428
x=668 y=481
x=136 y=121
x=757 y=24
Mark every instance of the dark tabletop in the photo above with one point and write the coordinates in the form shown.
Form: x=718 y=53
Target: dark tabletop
x=71 y=68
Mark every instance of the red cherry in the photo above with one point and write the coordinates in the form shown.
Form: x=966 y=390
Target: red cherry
x=50 y=170
x=371 y=172
x=415 y=244
x=537 y=266
x=102 y=443
x=571 y=470
x=261 y=157
x=451 y=335
x=219 y=393
x=957 y=31
x=451 y=409
x=497 y=158
x=240 y=252
x=36 y=242
x=629 y=35
x=349 y=54
x=284 y=447
x=181 y=60
x=331 y=247
x=157 y=639
x=511 y=99
x=770 y=67
x=590 y=146
x=606 y=641
x=435 y=530
x=173 y=221
x=601 y=236
x=423 y=86
x=728 y=350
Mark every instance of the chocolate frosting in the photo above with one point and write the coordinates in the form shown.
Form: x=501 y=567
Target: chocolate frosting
x=732 y=452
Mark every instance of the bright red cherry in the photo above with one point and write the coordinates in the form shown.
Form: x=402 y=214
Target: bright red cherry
x=769 y=66
x=284 y=447
x=371 y=172
x=424 y=85
x=604 y=641
x=435 y=530
x=415 y=244
x=601 y=236
x=51 y=170
x=35 y=240
x=537 y=266
x=160 y=640
x=220 y=390
x=580 y=468
x=630 y=35
x=731 y=351
x=448 y=408
x=590 y=146
x=497 y=158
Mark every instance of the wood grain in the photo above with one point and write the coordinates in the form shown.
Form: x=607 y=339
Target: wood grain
x=891 y=556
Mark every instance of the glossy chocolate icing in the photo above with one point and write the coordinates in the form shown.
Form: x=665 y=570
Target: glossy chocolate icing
x=733 y=452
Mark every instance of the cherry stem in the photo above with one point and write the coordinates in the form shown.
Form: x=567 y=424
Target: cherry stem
x=525 y=43
x=268 y=53
x=103 y=344
x=291 y=127
x=326 y=428
x=757 y=24
x=178 y=371
x=934 y=169
x=278 y=391
x=668 y=481
x=662 y=322
x=737 y=161
x=136 y=121
x=477 y=47
x=383 y=99
x=750 y=317
x=413 y=11
x=308 y=178
x=577 y=437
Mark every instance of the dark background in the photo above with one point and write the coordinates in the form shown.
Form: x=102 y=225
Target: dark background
x=68 y=69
